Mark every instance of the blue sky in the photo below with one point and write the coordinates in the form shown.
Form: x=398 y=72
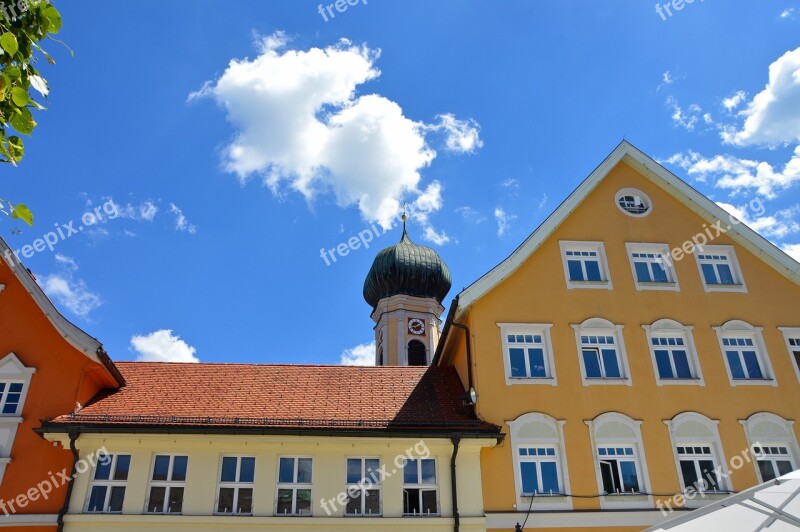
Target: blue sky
x=231 y=177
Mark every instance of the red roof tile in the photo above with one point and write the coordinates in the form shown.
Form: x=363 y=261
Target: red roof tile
x=276 y=397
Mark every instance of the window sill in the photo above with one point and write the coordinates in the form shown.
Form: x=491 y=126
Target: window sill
x=422 y=515
x=601 y=381
x=725 y=287
x=679 y=382
x=362 y=516
x=547 y=381
x=603 y=285
x=656 y=286
x=754 y=382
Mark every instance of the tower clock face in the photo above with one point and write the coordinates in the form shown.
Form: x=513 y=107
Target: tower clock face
x=416 y=326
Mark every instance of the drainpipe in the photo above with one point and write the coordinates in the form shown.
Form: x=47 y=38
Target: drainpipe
x=73 y=436
x=470 y=386
x=453 y=479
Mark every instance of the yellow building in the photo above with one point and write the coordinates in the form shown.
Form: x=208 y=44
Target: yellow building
x=640 y=350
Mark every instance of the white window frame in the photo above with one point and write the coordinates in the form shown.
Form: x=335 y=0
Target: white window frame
x=423 y=486
x=765 y=429
x=597 y=247
x=168 y=484
x=657 y=249
x=529 y=329
x=294 y=486
x=792 y=333
x=633 y=192
x=538 y=459
x=12 y=370
x=236 y=485
x=110 y=484
x=616 y=430
x=370 y=483
x=709 y=438
x=667 y=327
x=741 y=329
x=536 y=429
x=736 y=271
x=603 y=327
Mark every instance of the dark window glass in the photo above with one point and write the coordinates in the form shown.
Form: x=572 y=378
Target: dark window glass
x=708 y=473
x=664 y=367
x=179 y=466
x=751 y=362
x=353 y=503
x=429 y=505
x=284 y=502
x=709 y=273
x=286 y=472
x=123 y=465
x=630 y=481
x=642 y=272
x=659 y=273
x=592 y=363
x=416 y=353
x=410 y=474
x=245 y=503
x=530 y=484
x=156 y=502
x=411 y=501
x=304 y=502
x=575 y=270
x=428 y=472
x=175 y=505
x=737 y=371
x=97 y=498
x=247 y=470
x=767 y=471
x=225 y=505
x=353 y=470
x=549 y=477
x=228 y=469
x=725 y=274
x=536 y=360
x=610 y=364
x=117 y=496
x=373 y=470
x=517 y=362
x=689 y=473
x=682 y=365
x=784 y=467
x=161 y=468
x=103 y=469
x=304 y=470
x=372 y=502
x=593 y=271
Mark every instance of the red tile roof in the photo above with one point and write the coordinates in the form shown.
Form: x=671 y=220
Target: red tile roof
x=279 y=397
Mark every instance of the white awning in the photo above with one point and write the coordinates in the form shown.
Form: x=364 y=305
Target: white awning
x=772 y=507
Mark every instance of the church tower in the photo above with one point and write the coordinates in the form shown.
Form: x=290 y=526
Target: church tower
x=405 y=288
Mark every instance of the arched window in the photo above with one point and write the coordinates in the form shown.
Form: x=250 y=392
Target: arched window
x=773 y=444
x=745 y=354
x=620 y=464
x=673 y=353
x=540 y=464
x=698 y=453
x=417 y=354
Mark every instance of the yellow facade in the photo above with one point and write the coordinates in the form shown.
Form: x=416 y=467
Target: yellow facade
x=536 y=292
x=329 y=456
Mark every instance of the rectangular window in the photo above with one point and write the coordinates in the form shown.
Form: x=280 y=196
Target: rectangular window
x=585 y=265
x=773 y=462
x=743 y=358
x=794 y=349
x=652 y=267
x=10 y=393
x=538 y=471
x=698 y=465
x=527 y=356
x=167 y=484
x=719 y=268
x=672 y=357
x=294 y=486
x=618 y=470
x=363 y=487
x=107 y=492
x=600 y=357
x=237 y=475
x=420 y=487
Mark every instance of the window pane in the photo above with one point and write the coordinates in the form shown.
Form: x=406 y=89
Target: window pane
x=103 y=469
x=530 y=484
x=428 y=472
x=751 y=362
x=593 y=270
x=286 y=471
x=682 y=364
x=737 y=371
x=97 y=499
x=659 y=273
x=373 y=470
x=709 y=273
x=784 y=467
x=608 y=473
x=247 y=469
x=372 y=502
x=225 y=504
x=429 y=502
x=664 y=367
x=304 y=502
x=117 y=496
x=245 y=502
x=630 y=482
x=725 y=274
x=592 y=363
x=517 y=362
x=610 y=363
x=536 y=359
x=353 y=506
x=179 y=465
x=353 y=470
x=284 y=502
x=411 y=501
x=575 y=270
x=161 y=468
x=228 y=470
x=175 y=504
x=549 y=477
x=642 y=272
x=767 y=471
x=410 y=474
x=707 y=472
x=156 y=502
x=123 y=465
x=689 y=473
x=304 y=470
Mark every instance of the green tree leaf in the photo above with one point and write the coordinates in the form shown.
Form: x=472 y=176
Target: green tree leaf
x=9 y=43
x=22 y=212
x=20 y=96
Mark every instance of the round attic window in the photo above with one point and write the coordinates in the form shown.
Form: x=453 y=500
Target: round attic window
x=633 y=202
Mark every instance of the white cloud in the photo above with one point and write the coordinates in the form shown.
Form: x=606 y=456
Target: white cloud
x=503 y=221
x=144 y=211
x=162 y=346
x=181 y=223
x=777 y=225
x=788 y=12
x=470 y=215
x=68 y=262
x=511 y=182
x=437 y=237
x=72 y=294
x=689 y=118
x=543 y=201
x=301 y=123
x=793 y=250
x=733 y=101
x=360 y=355
x=666 y=78
x=773 y=116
